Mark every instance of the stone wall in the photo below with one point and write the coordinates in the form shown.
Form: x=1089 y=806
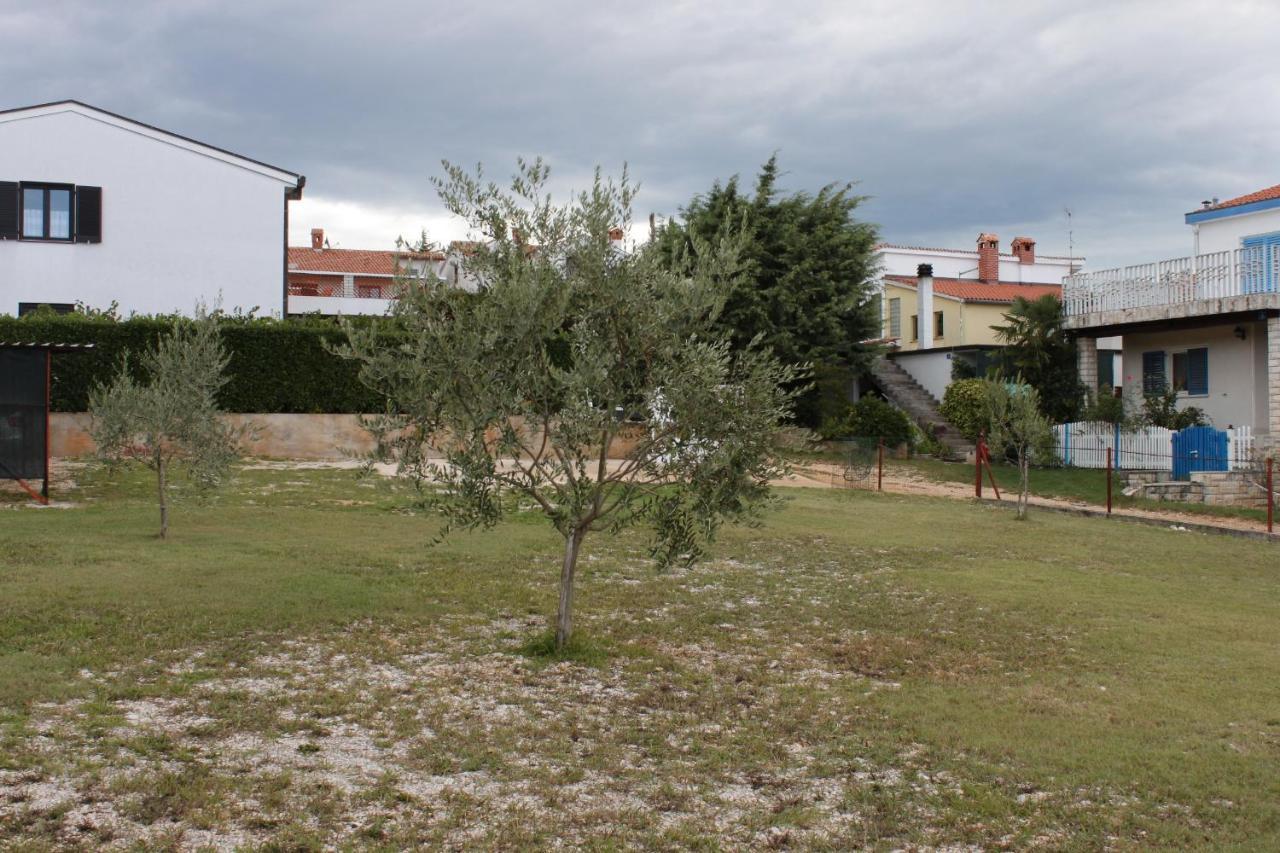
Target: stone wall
x=1230 y=488
x=282 y=436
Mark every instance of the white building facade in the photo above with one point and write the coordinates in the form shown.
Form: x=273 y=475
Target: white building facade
x=1206 y=325
x=99 y=209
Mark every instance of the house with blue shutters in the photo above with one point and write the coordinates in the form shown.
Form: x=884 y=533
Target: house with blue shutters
x=1206 y=325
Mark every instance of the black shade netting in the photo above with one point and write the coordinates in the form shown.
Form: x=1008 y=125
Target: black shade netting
x=23 y=417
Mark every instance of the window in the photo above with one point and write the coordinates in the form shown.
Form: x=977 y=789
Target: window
x=1153 y=381
x=33 y=210
x=915 y=327
x=1191 y=372
x=937 y=324
x=25 y=308
x=1106 y=369
x=895 y=318
x=46 y=212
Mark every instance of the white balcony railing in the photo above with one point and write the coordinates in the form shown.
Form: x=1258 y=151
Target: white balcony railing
x=1239 y=272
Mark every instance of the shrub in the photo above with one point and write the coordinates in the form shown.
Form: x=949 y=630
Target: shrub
x=1106 y=407
x=872 y=417
x=964 y=405
x=275 y=366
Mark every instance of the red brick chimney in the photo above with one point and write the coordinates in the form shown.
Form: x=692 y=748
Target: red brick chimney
x=988 y=258
x=317 y=238
x=615 y=235
x=1025 y=249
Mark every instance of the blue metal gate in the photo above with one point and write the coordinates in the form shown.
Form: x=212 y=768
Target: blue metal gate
x=1199 y=449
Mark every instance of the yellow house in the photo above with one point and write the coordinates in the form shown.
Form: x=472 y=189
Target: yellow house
x=963 y=311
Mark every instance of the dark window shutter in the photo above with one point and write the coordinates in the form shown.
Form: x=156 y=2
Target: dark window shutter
x=1153 y=381
x=88 y=214
x=9 y=210
x=1198 y=371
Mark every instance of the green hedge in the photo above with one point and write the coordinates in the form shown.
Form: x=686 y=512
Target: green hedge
x=276 y=365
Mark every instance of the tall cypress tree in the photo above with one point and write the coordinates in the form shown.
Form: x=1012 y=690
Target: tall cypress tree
x=806 y=288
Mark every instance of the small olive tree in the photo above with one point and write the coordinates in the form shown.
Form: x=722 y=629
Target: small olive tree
x=173 y=415
x=1018 y=426
x=525 y=389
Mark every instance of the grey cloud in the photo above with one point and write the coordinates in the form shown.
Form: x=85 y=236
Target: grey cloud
x=954 y=117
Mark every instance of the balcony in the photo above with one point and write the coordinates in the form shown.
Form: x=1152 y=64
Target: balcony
x=342 y=297
x=1236 y=281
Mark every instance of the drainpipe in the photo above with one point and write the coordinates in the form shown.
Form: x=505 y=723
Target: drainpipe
x=924 y=304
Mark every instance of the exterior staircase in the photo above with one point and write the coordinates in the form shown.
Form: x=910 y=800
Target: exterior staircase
x=901 y=389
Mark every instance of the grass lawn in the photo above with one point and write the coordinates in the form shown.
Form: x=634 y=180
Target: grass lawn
x=295 y=668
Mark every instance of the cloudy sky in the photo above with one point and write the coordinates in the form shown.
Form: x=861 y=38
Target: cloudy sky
x=954 y=117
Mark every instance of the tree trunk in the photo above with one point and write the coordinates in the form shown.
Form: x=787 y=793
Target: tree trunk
x=564 y=617
x=162 y=488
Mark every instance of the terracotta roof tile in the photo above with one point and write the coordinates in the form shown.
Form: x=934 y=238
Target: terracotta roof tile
x=353 y=261
x=1249 y=198
x=977 y=291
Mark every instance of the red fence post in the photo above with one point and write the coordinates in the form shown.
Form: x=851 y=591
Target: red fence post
x=1271 y=496
x=977 y=466
x=880 y=466
x=1109 y=451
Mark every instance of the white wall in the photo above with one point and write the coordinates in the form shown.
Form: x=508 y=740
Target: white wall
x=1237 y=374
x=1221 y=235
x=177 y=226
x=932 y=369
x=332 y=305
x=964 y=264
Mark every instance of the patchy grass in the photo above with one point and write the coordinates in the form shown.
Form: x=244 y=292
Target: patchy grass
x=295 y=668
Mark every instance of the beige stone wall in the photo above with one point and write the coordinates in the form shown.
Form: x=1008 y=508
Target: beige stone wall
x=284 y=436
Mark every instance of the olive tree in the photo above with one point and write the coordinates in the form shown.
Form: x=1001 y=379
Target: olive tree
x=172 y=415
x=1018 y=426
x=580 y=379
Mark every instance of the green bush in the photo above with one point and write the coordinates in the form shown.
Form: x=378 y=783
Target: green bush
x=276 y=365
x=871 y=417
x=965 y=408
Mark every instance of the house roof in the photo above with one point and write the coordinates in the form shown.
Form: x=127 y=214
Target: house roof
x=352 y=261
x=968 y=290
x=90 y=111
x=1248 y=198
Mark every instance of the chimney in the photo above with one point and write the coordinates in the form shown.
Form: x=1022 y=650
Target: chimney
x=615 y=236
x=317 y=238
x=1025 y=249
x=988 y=258
x=924 y=305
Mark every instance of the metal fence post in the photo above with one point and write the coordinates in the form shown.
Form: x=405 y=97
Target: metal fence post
x=1109 y=452
x=880 y=466
x=1271 y=496
x=977 y=466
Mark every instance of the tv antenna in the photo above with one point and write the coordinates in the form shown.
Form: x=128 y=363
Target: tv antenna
x=1071 y=241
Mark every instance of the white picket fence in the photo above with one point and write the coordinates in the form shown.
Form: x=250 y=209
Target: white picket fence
x=1085 y=445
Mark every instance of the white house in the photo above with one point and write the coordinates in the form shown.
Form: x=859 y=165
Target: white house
x=97 y=208
x=1207 y=325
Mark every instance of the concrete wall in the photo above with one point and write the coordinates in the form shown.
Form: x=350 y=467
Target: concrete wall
x=284 y=436
x=932 y=369
x=178 y=226
x=1237 y=377
x=955 y=263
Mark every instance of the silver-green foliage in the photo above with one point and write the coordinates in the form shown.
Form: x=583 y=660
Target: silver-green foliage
x=1017 y=425
x=523 y=389
x=173 y=415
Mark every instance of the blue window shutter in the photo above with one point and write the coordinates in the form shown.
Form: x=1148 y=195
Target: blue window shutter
x=1153 y=381
x=1198 y=371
